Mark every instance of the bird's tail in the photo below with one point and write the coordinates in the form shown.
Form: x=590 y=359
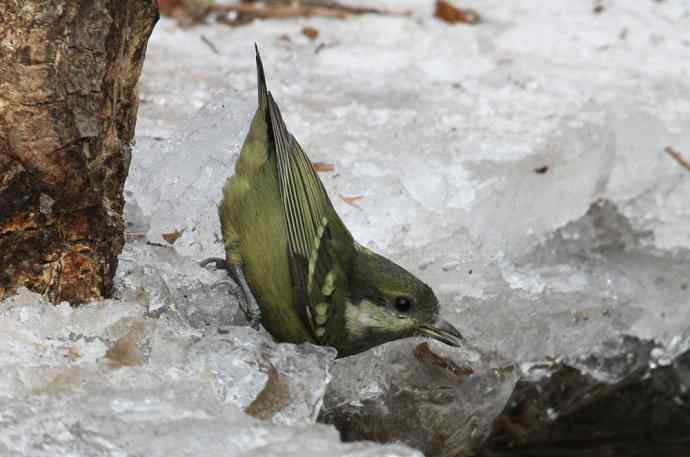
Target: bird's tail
x=261 y=81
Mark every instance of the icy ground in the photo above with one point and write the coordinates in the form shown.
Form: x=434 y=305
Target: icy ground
x=516 y=166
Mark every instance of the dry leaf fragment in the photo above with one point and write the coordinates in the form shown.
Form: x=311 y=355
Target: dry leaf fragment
x=352 y=200
x=186 y=12
x=310 y=32
x=323 y=166
x=172 y=236
x=448 y=13
x=323 y=46
x=126 y=350
x=168 y=7
x=423 y=353
x=274 y=396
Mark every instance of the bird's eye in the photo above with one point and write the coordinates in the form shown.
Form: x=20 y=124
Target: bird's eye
x=402 y=304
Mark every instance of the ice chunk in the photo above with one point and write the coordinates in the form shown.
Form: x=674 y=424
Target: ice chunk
x=571 y=298
x=137 y=223
x=177 y=183
x=592 y=280
x=160 y=278
x=107 y=380
x=612 y=394
x=436 y=399
x=36 y=333
x=173 y=419
x=279 y=382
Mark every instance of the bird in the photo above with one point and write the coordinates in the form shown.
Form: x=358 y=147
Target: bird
x=299 y=271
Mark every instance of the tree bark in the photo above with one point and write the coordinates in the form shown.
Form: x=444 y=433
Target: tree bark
x=68 y=103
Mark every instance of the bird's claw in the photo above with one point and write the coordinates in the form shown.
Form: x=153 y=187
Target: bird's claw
x=253 y=320
x=224 y=282
x=250 y=310
x=218 y=263
x=249 y=307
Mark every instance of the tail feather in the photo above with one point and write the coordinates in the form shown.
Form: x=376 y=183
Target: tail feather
x=261 y=81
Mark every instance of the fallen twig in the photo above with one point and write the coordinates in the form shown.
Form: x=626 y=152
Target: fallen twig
x=670 y=150
x=323 y=166
x=210 y=44
x=321 y=46
x=246 y=12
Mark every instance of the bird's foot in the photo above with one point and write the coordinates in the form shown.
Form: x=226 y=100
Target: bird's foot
x=248 y=303
x=218 y=263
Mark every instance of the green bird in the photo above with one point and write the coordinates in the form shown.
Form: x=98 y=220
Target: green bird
x=300 y=272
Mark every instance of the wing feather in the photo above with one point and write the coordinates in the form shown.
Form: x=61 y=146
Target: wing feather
x=303 y=196
x=309 y=221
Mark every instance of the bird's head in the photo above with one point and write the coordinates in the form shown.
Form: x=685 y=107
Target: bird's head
x=387 y=303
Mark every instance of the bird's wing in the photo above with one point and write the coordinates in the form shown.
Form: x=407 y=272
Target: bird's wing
x=310 y=222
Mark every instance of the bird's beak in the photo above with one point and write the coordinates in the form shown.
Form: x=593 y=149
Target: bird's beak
x=443 y=331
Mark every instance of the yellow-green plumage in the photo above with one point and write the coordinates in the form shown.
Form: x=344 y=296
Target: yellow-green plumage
x=250 y=216
x=311 y=280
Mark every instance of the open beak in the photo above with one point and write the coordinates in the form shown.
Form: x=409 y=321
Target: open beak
x=443 y=331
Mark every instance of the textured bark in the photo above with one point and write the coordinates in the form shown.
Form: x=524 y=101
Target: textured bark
x=68 y=105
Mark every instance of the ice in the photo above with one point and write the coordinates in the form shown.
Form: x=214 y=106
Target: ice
x=593 y=279
x=611 y=394
x=516 y=166
x=170 y=420
x=159 y=278
x=430 y=154
x=428 y=396
x=178 y=183
x=570 y=298
x=105 y=380
x=289 y=389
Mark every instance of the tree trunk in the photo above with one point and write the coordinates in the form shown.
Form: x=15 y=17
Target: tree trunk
x=68 y=105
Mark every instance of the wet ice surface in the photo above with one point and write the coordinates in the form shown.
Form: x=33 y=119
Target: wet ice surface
x=516 y=166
